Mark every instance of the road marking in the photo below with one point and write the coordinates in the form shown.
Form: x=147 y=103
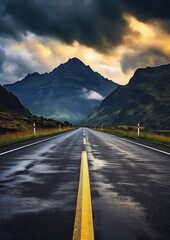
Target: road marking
x=28 y=145
x=84 y=140
x=155 y=149
x=83 y=225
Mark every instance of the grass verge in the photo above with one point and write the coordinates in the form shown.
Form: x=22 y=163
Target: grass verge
x=145 y=136
x=9 y=138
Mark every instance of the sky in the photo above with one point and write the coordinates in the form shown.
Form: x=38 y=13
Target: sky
x=114 y=37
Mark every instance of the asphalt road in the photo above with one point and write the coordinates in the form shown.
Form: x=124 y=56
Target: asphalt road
x=130 y=188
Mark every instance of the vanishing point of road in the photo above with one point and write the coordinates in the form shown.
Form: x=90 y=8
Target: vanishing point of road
x=86 y=185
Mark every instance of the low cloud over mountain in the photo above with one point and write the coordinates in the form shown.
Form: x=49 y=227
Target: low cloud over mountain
x=91 y=95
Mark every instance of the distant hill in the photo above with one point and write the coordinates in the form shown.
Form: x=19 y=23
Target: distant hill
x=10 y=103
x=146 y=99
x=70 y=92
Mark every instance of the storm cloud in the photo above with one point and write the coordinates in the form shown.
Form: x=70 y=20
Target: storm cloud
x=100 y=25
x=2 y=58
x=152 y=57
x=95 y=23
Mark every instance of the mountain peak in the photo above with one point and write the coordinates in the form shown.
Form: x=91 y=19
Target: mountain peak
x=75 y=60
x=72 y=61
x=32 y=74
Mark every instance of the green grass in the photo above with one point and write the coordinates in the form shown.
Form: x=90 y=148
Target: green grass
x=145 y=136
x=10 y=138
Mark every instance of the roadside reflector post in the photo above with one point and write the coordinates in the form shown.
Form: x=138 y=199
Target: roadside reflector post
x=138 y=128
x=34 y=128
x=102 y=127
x=59 y=127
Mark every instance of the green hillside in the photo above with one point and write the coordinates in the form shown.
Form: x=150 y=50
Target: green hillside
x=146 y=99
x=10 y=103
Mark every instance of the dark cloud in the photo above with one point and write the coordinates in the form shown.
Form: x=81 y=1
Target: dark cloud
x=143 y=58
x=99 y=24
x=95 y=23
x=8 y=25
x=147 y=10
x=2 y=58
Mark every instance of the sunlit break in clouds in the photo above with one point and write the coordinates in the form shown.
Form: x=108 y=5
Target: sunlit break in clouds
x=113 y=37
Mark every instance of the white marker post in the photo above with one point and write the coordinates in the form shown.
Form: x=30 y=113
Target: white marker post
x=59 y=127
x=34 y=128
x=138 y=128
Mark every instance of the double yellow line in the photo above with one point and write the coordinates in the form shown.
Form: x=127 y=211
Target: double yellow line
x=83 y=225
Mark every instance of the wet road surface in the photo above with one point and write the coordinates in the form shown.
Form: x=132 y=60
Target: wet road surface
x=130 y=189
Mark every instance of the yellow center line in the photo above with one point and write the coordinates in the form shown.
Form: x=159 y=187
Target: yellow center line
x=84 y=140
x=83 y=225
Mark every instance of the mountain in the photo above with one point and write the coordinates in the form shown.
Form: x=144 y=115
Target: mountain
x=146 y=99
x=10 y=103
x=70 y=92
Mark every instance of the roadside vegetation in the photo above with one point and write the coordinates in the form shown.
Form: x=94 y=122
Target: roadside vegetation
x=9 y=138
x=16 y=128
x=10 y=122
x=158 y=137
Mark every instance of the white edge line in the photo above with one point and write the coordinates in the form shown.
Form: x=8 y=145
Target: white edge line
x=28 y=145
x=155 y=149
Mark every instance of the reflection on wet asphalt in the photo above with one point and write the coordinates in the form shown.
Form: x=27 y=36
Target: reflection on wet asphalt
x=130 y=188
x=38 y=189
